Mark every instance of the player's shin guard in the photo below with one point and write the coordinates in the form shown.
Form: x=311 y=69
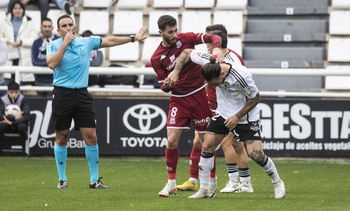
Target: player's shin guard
x=206 y=164
x=171 y=159
x=91 y=153
x=269 y=167
x=194 y=160
x=61 y=158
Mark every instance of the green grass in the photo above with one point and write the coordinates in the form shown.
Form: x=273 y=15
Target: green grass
x=30 y=184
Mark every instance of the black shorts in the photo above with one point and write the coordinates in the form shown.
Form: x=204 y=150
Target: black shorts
x=243 y=132
x=72 y=103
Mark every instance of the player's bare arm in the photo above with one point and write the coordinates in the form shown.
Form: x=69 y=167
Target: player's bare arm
x=184 y=57
x=232 y=121
x=55 y=59
x=113 y=41
x=218 y=55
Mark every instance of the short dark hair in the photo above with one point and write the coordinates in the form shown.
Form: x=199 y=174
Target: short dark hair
x=13 y=86
x=166 y=20
x=62 y=17
x=211 y=70
x=20 y=4
x=87 y=33
x=45 y=19
x=223 y=37
x=215 y=27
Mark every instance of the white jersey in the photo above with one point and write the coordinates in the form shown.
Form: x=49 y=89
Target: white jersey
x=235 y=91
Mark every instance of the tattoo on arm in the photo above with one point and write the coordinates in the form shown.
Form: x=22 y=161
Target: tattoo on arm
x=183 y=59
x=251 y=103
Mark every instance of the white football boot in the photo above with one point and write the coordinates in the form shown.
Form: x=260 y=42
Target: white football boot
x=280 y=191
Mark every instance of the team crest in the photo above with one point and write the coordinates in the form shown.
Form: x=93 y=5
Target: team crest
x=172 y=120
x=82 y=52
x=178 y=44
x=226 y=85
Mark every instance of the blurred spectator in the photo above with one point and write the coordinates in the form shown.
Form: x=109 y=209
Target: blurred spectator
x=42 y=4
x=65 y=5
x=151 y=79
x=95 y=60
x=19 y=32
x=118 y=79
x=3 y=59
x=20 y=122
x=39 y=55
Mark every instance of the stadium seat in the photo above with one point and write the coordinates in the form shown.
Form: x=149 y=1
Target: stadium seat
x=36 y=17
x=149 y=46
x=287 y=26
x=341 y=4
x=126 y=52
x=235 y=44
x=195 y=21
x=14 y=145
x=287 y=3
x=339 y=23
x=337 y=82
x=229 y=4
x=232 y=20
x=96 y=4
x=54 y=15
x=338 y=50
x=131 y=26
x=95 y=21
x=167 y=3
x=190 y=4
x=153 y=19
x=3 y=4
x=132 y=4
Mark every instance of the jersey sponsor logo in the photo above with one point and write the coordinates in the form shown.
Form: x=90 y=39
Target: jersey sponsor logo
x=172 y=58
x=178 y=44
x=144 y=114
x=200 y=121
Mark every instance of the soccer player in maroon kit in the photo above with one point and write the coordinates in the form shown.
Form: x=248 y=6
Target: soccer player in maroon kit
x=188 y=101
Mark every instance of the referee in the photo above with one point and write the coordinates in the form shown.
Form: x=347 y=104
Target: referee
x=69 y=58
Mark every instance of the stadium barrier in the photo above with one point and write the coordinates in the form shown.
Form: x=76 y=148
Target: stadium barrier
x=294 y=124
x=149 y=71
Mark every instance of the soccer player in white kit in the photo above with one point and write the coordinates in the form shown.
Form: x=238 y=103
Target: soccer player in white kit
x=237 y=111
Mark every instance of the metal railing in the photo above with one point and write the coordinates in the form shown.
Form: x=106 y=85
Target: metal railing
x=149 y=71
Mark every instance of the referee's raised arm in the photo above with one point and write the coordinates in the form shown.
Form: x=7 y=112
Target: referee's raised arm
x=113 y=41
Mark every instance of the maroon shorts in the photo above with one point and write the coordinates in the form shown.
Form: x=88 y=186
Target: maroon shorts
x=183 y=110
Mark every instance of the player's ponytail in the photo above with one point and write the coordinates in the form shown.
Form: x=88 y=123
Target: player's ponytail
x=212 y=60
x=211 y=70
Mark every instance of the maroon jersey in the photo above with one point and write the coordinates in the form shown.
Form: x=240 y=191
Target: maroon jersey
x=164 y=60
x=232 y=55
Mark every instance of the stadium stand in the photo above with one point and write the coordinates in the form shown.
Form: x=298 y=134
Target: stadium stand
x=195 y=21
x=339 y=23
x=231 y=5
x=232 y=20
x=126 y=52
x=191 y=4
x=341 y=4
x=167 y=4
x=134 y=4
x=133 y=24
x=96 y=4
x=54 y=14
x=337 y=48
x=91 y=20
x=149 y=46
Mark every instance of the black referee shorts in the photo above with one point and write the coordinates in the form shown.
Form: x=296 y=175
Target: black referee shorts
x=243 y=132
x=68 y=104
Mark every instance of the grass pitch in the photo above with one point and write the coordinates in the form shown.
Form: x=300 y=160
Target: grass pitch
x=30 y=184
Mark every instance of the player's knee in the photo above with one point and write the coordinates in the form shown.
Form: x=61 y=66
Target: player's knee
x=256 y=155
